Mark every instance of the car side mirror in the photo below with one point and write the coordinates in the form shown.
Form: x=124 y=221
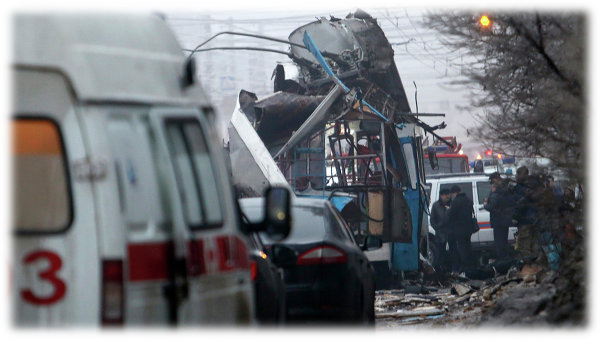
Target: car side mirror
x=371 y=243
x=277 y=213
x=283 y=256
x=433 y=160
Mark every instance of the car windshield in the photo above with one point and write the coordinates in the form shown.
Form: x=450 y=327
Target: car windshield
x=308 y=224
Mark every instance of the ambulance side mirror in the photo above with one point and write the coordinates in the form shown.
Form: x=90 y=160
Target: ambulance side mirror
x=277 y=212
x=188 y=77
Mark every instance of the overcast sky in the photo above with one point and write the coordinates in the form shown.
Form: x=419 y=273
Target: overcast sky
x=420 y=58
x=419 y=55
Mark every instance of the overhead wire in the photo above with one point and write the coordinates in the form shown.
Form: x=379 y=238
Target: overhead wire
x=416 y=56
x=419 y=34
x=274 y=22
x=434 y=58
x=237 y=48
x=252 y=35
x=302 y=19
x=395 y=25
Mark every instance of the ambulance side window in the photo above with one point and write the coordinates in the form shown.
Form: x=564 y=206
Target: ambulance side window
x=41 y=190
x=138 y=188
x=195 y=173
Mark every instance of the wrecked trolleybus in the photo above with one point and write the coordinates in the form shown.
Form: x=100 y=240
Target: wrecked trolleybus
x=343 y=130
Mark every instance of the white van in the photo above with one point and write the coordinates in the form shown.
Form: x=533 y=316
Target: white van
x=477 y=187
x=489 y=165
x=122 y=208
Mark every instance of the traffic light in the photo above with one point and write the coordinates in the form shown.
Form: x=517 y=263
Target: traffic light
x=484 y=21
x=488 y=152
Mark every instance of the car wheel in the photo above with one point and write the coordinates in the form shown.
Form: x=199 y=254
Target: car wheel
x=367 y=316
x=366 y=319
x=281 y=322
x=370 y=330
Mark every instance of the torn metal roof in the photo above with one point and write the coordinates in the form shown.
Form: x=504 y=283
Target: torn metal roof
x=356 y=49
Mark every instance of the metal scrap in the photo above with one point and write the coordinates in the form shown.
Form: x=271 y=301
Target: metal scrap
x=461 y=289
x=410 y=305
x=419 y=311
x=252 y=167
x=277 y=116
x=361 y=48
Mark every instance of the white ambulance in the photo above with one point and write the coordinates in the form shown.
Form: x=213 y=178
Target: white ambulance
x=122 y=208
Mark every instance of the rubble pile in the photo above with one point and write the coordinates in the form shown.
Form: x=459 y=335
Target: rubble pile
x=523 y=295
x=411 y=308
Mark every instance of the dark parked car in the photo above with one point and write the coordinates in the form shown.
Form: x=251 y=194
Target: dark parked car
x=269 y=290
x=327 y=277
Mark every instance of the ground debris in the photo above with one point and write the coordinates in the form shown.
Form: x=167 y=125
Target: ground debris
x=416 y=289
x=518 y=294
x=418 y=311
x=476 y=284
x=460 y=289
x=529 y=270
x=462 y=302
x=422 y=297
x=388 y=302
x=408 y=307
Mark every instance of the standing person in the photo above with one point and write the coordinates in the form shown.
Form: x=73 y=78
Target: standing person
x=439 y=223
x=557 y=190
x=460 y=217
x=549 y=231
x=500 y=205
x=525 y=215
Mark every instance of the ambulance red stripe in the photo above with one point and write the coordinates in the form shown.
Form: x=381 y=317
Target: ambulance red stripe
x=150 y=261
x=484 y=225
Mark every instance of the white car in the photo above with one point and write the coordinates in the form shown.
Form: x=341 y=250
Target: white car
x=477 y=187
x=489 y=166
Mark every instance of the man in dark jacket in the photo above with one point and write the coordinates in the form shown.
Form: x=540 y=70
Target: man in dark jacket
x=438 y=221
x=460 y=218
x=500 y=204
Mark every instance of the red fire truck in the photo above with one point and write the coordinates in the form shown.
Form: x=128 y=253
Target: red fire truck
x=449 y=159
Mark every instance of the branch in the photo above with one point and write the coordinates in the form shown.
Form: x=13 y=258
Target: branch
x=574 y=86
x=538 y=21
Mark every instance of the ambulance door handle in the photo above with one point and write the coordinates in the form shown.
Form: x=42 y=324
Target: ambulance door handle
x=177 y=289
x=181 y=282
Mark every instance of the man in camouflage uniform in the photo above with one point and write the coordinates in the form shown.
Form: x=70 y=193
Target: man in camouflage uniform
x=526 y=242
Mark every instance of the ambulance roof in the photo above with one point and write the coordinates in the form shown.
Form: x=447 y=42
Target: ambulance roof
x=107 y=57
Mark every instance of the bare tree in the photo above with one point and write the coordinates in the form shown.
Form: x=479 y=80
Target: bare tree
x=536 y=65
